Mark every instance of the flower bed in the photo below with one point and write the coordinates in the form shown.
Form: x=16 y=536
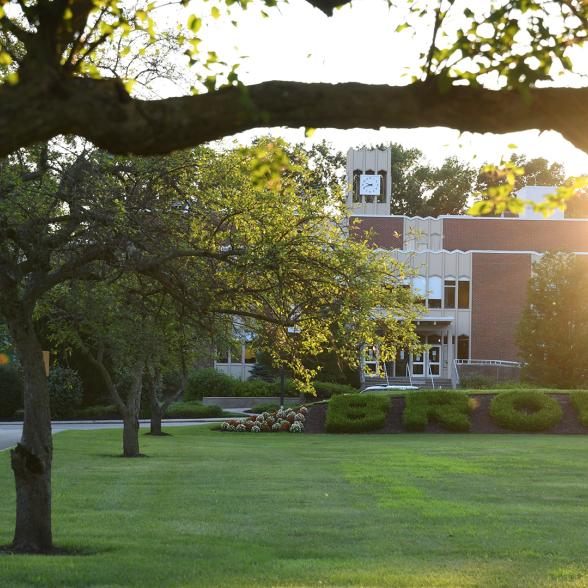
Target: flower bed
x=280 y=421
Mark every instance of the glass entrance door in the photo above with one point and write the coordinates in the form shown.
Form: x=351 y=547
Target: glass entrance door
x=434 y=359
x=429 y=363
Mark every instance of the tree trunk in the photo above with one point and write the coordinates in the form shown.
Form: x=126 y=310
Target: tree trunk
x=156 y=417
x=31 y=459
x=131 y=414
x=131 y=435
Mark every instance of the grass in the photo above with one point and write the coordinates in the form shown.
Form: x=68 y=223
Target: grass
x=213 y=509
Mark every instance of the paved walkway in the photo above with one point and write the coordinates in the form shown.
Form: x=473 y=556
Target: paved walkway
x=10 y=432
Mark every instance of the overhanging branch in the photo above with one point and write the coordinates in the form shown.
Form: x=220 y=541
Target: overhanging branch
x=102 y=112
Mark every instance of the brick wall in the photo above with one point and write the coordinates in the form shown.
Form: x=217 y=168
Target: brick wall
x=503 y=234
x=387 y=230
x=499 y=294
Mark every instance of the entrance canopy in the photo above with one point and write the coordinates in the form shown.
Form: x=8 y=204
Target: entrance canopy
x=434 y=321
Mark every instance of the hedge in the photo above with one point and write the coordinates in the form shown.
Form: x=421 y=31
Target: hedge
x=99 y=411
x=357 y=413
x=325 y=390
x=580 y=404
x=192 y=410
x=448 y=409
x=526 y=411
x=65 y=392
x=10 y=391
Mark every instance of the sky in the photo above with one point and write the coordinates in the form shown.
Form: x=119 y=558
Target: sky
x=299 y=43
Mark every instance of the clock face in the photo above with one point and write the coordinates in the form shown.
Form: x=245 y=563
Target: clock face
x=369 y=184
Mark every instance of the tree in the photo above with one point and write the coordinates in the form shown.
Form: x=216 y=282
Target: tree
x=421 y=189
x=534 y=172
x=553 y=331
x=242 y=236
x=45 y=239
x=66 y=66
x=577 y=205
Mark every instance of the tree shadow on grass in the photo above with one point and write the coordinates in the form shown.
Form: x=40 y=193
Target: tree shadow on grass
x=119 y=455
x=6 y=550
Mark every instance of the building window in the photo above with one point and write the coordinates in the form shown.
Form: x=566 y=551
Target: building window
x=382 y=194
x=369 y=197
x=356 y=194
x=463 y=294
x=419 y=287
x=463 y=347
x=449 y=293
x=435 y=291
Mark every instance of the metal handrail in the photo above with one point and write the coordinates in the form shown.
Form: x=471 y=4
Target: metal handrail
x=386 y=373
x=498 y=362
x=430 y=374
x=456 y=372
x=409 y=372
x=482 y=362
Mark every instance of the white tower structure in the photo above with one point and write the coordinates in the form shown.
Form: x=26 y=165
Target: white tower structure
x=369 y=177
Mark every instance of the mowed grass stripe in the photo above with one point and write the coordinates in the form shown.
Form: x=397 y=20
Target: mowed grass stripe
x=225 y=509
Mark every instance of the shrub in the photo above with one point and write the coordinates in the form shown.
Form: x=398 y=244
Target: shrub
x=99 y=411
x=254 y=388
x=580 y=404
x=448 y=409
x=10 y=391
x=209 y=382
x=271 y=406
x=65 y=392
x=527 y=411
x=477 y=382
x=193 y=410
x=289 y=388
x=356 y=413
x=325 y=390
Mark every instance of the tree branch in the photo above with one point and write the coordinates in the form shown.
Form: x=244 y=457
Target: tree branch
x=101 y=111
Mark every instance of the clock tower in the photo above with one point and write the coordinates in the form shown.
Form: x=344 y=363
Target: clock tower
x=369 y=181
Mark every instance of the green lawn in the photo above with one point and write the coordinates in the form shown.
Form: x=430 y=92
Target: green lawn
x=228 y=509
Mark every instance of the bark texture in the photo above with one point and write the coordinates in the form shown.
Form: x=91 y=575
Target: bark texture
x=131 y=414
x=60 y=104
x=31 y=459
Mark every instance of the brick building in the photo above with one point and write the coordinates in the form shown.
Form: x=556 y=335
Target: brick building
x=472 y=272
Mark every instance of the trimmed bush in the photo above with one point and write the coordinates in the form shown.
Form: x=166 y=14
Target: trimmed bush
x=448 y=409
x=477 y=382
x=209 y=382
x=271 y=406
x=10 y=391
x=357 y=413
x=289 y=388
x=527 y=411
x=65 y=392
x=580 y=404
x=192 y=410
x=254 y=388
x=98 y=412
x=325 y=390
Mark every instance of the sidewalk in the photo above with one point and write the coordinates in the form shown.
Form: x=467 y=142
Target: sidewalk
x=10 y=431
